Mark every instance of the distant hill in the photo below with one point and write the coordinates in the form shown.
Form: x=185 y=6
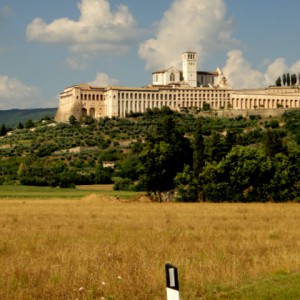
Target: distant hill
x=13 y=116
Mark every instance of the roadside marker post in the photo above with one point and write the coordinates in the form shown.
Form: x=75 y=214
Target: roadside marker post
x=172 y=282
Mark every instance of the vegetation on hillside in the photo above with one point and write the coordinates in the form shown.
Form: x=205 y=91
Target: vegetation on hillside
x=241 y=159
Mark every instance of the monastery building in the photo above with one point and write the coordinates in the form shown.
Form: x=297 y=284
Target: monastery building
x=177 y=89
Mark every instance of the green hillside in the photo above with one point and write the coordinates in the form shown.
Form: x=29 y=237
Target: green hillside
x=241 y=159
x=13 y=116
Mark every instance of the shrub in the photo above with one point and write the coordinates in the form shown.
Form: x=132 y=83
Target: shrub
x=123 y=184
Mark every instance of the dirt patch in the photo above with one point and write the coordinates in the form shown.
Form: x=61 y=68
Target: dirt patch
x=142 y=199
x=99 y=198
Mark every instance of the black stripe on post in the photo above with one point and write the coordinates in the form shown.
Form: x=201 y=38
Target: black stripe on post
x=172 y=277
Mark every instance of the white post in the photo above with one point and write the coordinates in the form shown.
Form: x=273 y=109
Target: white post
x=172 y=282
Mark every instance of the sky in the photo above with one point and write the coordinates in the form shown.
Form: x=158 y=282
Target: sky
x=46 y=46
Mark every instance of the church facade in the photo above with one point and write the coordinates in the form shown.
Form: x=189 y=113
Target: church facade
x=178 y=89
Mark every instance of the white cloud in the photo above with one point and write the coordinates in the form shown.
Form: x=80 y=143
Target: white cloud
x=274 y=70
x=102 y=79
x=295 y=68
x=98 y=29
x=201 y=26
x=241 y=74
x=15 y=94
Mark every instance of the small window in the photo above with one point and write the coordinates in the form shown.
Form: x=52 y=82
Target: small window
x=172 y=77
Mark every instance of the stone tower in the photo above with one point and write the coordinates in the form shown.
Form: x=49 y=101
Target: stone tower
x=189 y=68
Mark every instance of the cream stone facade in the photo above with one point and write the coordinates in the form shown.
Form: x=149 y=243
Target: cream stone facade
x=269 y=98
x=176 y=89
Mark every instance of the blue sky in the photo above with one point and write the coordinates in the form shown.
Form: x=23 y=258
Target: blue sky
x=46 y=46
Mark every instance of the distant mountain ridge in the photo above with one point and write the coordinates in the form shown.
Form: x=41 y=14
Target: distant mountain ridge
x=13 y=117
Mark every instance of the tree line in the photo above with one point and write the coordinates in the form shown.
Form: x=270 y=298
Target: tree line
x=288 y=79
x=220 y=168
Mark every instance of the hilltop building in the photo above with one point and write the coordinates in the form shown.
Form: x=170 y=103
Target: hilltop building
x=178 y=89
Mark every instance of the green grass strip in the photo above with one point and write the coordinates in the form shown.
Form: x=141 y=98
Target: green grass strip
x=33 y=192
x=281 y=286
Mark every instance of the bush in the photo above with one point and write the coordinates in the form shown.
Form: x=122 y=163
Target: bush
x=255 y=117
x=123 y=184
x=274 y=124
x=35 y=181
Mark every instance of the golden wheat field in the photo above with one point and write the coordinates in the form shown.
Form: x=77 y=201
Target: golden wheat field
x=101 y=248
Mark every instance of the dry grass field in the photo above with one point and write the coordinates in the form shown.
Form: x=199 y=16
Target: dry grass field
x=100 y=248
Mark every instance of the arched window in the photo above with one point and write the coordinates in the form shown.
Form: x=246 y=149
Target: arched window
x=172 y=77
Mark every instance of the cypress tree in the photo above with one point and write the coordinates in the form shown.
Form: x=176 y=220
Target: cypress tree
x=198 y=156
x=294 y=79
x=278 y=81
x=3 y=130
x=288 y=79
x=284 y=79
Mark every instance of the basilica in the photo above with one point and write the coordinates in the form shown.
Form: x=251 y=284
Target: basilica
x=178 y=89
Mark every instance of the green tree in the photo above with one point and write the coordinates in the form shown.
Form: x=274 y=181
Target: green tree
x=103 y=175
x=89 y=120
x=123 y=184
x=157 y=171
x=129 y=168
x=293 y=79
x=274 y=142
x=274 y=124
x=67 y=179
x=165 y=154
x=284 y=79
x=242 y=176
x=288 y=79
x=230 y=139
x=278 y=81
x=292 y=121
x=198 y=157
x=20 y=126
x=3 y=130
x=72 y=120
x=136 y=147
x=284 y=184
x=216 y=147
x=29 y=124
x=186 y=186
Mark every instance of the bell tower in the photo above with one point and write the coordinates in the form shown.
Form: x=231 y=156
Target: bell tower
x=189 y=68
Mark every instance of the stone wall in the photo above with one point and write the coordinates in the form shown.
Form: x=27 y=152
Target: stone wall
x=247 y=112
